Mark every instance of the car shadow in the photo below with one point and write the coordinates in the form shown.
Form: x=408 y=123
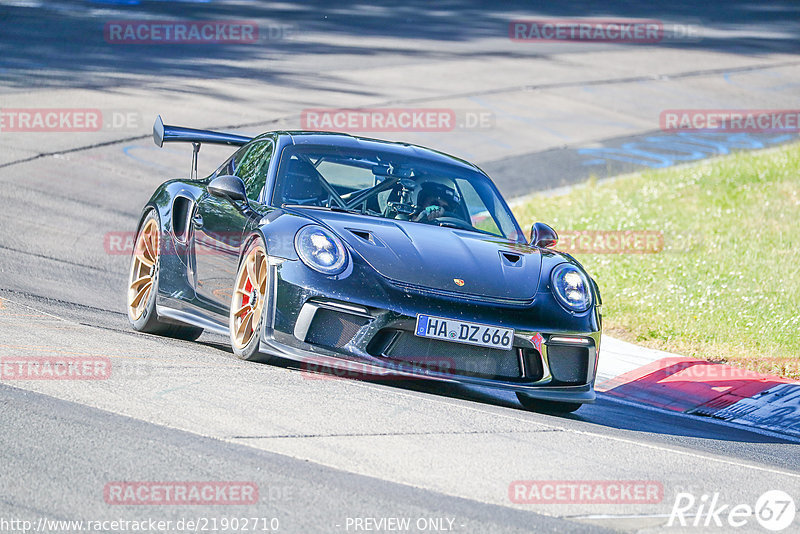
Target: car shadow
x=612 y=410
x=607 y=411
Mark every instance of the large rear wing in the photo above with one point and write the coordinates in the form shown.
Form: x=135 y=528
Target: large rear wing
x=164 y=133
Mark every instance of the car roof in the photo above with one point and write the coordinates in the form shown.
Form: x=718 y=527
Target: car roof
x=339 y=139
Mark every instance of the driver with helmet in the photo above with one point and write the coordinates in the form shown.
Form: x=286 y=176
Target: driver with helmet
x=434 y=200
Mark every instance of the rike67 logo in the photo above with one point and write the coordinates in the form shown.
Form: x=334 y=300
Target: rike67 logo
x=774 y=510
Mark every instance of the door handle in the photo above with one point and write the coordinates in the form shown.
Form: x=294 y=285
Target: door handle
x=197 y=219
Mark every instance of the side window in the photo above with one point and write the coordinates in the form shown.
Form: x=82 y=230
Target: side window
x=252 y=166
x=230 y=166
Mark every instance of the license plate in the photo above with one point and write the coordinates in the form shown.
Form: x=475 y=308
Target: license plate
x=464 y=332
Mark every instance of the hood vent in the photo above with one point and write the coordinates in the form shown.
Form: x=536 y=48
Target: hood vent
x=363 y=235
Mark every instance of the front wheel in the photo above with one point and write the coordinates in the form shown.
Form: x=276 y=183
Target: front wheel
x=248 y=304
x=553 y=407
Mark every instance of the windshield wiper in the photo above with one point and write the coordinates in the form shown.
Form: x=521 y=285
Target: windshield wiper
x=345 y=210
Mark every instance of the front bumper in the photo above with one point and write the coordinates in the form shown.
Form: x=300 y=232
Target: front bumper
x=369 y=335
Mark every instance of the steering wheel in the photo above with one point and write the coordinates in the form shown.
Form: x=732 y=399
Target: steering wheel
x=452 y=222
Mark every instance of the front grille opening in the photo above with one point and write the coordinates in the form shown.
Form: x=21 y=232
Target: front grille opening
x=333 y=329
x=444 y=356
x=569 y=365
x=534 y=370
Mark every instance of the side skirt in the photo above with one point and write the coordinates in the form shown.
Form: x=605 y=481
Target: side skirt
x=194 y=319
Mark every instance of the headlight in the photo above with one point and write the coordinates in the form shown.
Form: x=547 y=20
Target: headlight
x=320 y=249
x=571 y=287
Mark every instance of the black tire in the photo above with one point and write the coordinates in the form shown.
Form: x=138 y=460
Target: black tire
x=146 y=319
x=249 y=348
x=543 y=406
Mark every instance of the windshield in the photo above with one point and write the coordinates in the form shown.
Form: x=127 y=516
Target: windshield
x=392 y=186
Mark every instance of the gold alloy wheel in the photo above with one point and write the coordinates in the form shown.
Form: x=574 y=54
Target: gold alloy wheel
x=143 y=269
x=248 y=297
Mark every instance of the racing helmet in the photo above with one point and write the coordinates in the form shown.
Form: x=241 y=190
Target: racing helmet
x=437 y=193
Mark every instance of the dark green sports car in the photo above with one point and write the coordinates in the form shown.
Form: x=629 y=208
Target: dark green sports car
x=379 y=258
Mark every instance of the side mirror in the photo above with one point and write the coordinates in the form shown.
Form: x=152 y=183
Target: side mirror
x=228 y=186
x=543 y=236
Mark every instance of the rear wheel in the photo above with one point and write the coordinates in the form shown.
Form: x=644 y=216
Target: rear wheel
x=143 y=284
x=248 y=304
x=554 y=407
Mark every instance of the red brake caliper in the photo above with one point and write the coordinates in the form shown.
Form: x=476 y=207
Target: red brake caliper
x=247 y=287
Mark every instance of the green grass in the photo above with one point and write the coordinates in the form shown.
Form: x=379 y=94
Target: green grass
x=726 y=286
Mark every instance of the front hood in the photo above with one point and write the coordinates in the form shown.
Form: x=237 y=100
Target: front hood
x=435 y=257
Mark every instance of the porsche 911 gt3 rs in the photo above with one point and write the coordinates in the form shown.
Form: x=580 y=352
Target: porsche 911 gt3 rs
x=345 y=252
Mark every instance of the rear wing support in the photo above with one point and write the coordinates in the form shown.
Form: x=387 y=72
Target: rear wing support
x=165 y=133
x=195 y=151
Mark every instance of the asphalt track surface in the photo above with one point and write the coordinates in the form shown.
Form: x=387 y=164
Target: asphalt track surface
x=326 y=451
